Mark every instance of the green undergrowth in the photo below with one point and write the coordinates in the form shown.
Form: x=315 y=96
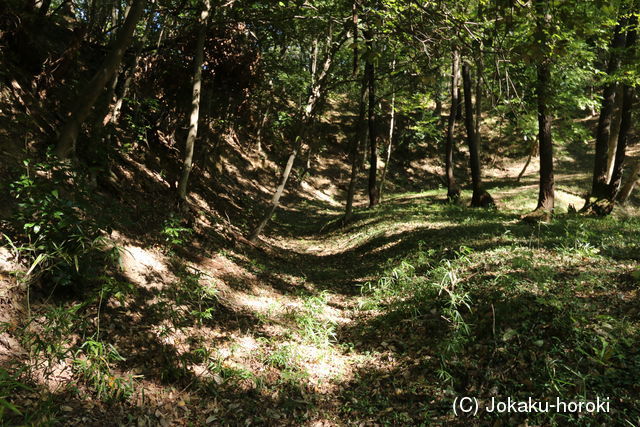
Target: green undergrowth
x=516 y=310
x=452 y=301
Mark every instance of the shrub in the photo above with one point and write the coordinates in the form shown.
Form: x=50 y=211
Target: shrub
x=53 y=227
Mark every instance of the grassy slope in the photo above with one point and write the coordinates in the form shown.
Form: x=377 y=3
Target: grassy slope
x=385 y=320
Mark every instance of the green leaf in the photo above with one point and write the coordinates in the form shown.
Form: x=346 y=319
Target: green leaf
x=10 y=406
x=509 y=334
x=38 y=260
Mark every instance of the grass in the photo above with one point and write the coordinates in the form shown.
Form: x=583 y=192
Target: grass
x=312 y=327
x=551 y=305
x=384 y=321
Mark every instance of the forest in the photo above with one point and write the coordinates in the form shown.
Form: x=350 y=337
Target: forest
x=319 y=212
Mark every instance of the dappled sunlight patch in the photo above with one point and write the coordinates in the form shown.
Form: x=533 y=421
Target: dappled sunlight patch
x=13 y=294
x=327 y=194
x=265 y=307
x=231 y=169
x=165 y=332
x=323 y=365
x=145 y=267
x=524 y=197
x=246 y=345
x=565 y=199
x=55 y=376
x=259 y=304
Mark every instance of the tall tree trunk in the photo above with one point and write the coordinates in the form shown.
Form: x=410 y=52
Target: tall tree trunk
x=628 y=98
x=625 y=125
x=195 y=102
x=546 y=195
x=130 y=66
x=354 y=21
x=615 y=131
x=121 y=80
x=453 y=192
x=359 y=141
x=390 y=144
x=628 y=187
x=314 y=60
x=479 y=47
x=480 y=197
x=478 y=111
x=371 y=115
x=599 y=184
x=110 y=98
x=87 y=98
x=117 y=92
x=460 y=112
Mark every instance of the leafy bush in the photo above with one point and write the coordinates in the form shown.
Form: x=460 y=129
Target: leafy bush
x=175 y=235
x=52 y=229
x=93 y=363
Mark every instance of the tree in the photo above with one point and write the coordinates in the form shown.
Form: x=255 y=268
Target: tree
x=369 y=72
x=628 y=98
x=86 y=99
x=195 y=101
x=632 y=181
x=615 y=131
x=603 y=133
x=357 y=145
x=453 y=192
x=546 y=194
x=480 y=198
x=306 y=116
x=392 y=116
